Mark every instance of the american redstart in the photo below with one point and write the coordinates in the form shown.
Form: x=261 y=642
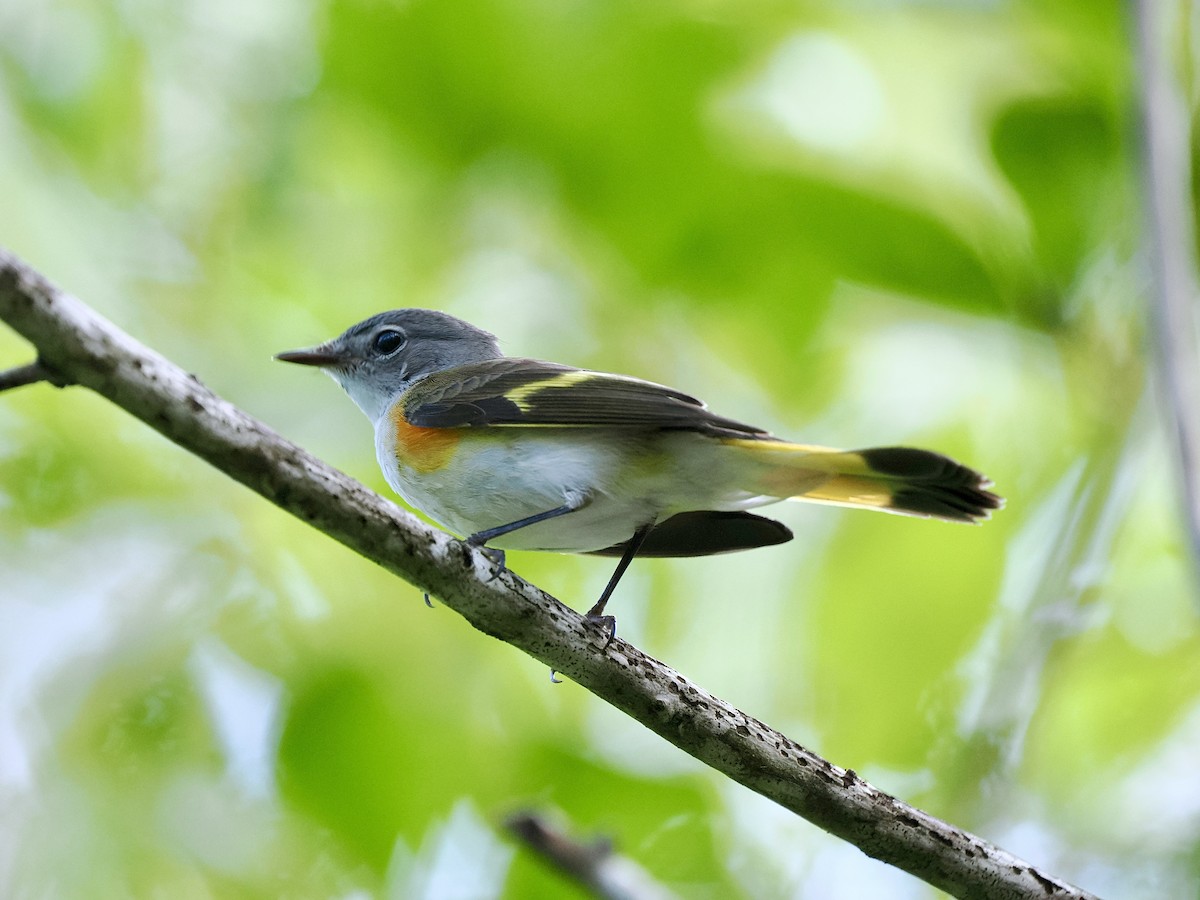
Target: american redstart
x=520 y=454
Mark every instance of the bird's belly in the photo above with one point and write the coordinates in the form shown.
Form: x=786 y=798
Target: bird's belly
x=472 y=480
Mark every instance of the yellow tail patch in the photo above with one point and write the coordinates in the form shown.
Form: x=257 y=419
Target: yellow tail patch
x=897 y=479
x=851 y=490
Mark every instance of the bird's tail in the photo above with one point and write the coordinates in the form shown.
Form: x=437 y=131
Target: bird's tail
x=893 y=479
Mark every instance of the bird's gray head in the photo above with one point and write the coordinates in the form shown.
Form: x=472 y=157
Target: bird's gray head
x=382 y=356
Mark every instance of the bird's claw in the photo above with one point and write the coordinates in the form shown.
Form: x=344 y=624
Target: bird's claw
x=494 y=556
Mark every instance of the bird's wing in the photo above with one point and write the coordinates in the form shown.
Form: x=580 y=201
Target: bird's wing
x=515 y=392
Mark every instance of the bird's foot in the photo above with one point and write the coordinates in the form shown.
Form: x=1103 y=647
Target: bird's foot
x=495 y=557
x=607 y=623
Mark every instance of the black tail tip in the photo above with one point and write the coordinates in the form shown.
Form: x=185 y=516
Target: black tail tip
x=930 y=484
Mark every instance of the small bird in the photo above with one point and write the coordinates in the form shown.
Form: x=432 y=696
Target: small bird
x=521 y=454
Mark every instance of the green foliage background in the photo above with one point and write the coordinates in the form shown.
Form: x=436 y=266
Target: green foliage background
x=853 y=223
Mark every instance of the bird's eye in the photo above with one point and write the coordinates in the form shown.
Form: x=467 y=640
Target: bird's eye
x=388 y=341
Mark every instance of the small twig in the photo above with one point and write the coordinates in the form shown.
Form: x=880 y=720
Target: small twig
x=594 y=866
x=31 y=373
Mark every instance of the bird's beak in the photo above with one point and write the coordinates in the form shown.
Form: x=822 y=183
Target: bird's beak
x=320 y=356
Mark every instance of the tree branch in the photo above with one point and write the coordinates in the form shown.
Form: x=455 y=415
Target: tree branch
x=90 y=351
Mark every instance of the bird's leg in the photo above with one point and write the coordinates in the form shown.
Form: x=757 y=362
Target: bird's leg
x=480 y=538
x=596 y=613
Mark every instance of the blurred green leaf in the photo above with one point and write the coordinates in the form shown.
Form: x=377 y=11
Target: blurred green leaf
x=611 y=103
x=348 y=759
x=1061 y=154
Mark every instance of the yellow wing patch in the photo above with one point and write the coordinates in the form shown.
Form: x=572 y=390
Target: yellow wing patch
x=520 y=395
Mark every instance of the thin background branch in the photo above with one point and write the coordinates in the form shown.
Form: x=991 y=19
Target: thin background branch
x=595 y=866
x=1166 y=167
x=88 y=350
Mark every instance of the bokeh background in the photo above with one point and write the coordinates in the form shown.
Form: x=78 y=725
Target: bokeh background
x=854 y=223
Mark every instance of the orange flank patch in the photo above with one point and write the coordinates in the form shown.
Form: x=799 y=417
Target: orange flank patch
x=424 y=449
